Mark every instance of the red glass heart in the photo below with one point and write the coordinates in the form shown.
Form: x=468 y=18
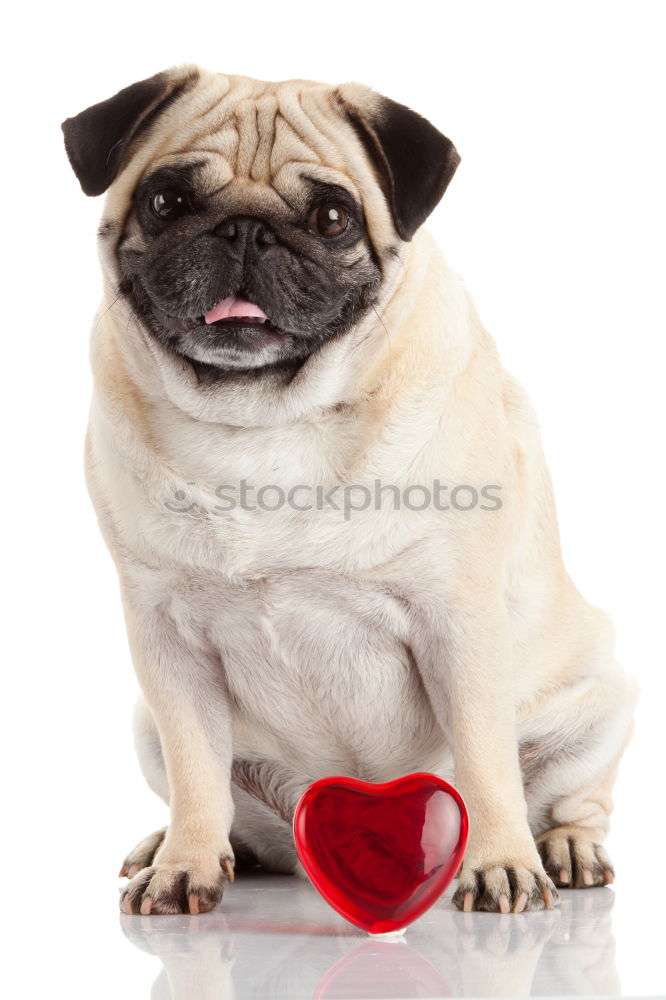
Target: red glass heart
x=381 y=854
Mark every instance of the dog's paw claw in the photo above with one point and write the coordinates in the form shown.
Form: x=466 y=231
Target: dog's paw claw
x=520 y=903
x=228 y=866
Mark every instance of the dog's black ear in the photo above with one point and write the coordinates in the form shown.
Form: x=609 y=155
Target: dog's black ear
x=414 y=161
x=98 y=139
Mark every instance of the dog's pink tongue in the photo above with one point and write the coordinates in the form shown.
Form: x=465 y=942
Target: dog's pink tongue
x=231 y=307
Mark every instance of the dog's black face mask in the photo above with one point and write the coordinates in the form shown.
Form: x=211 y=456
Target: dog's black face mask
x=241 y=279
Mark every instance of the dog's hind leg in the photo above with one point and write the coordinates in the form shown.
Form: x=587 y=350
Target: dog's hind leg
x=569 y=770
x=266 y=793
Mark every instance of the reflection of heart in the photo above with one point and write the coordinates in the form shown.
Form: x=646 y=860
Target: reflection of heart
x=394 y=969
x=381 y=854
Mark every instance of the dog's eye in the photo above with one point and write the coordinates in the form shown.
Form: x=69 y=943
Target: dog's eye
x=169 y=204
x=328 y=220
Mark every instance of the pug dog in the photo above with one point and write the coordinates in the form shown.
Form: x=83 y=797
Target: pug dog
x=327 y=502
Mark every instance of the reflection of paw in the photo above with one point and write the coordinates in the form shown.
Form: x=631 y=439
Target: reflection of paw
x=183 y=887
x=572 y=858
x=504 y=889
x=514 y=936
x=196 y=952
x=201 y=939
x=142 y=855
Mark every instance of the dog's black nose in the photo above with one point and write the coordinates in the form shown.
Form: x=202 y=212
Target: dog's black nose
x=246 y=230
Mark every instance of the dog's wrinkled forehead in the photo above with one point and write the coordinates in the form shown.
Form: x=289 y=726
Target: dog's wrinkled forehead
x=259 y=142
x=267 y=134
x=251 y=131
x=257 y=136
x=263 y=139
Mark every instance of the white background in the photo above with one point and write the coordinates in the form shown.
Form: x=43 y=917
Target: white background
x=556 y=220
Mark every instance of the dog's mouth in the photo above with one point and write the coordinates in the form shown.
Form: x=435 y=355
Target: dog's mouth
x=230 y=315
x=233 y=313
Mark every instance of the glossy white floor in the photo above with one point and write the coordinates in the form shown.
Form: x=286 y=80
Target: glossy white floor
x=274 y=937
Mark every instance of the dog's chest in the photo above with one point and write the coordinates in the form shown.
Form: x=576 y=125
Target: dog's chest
x=320 y=676
x=253 y=503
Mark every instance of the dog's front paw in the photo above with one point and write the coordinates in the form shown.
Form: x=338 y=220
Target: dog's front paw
x=178 y=887
x=504 y=888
